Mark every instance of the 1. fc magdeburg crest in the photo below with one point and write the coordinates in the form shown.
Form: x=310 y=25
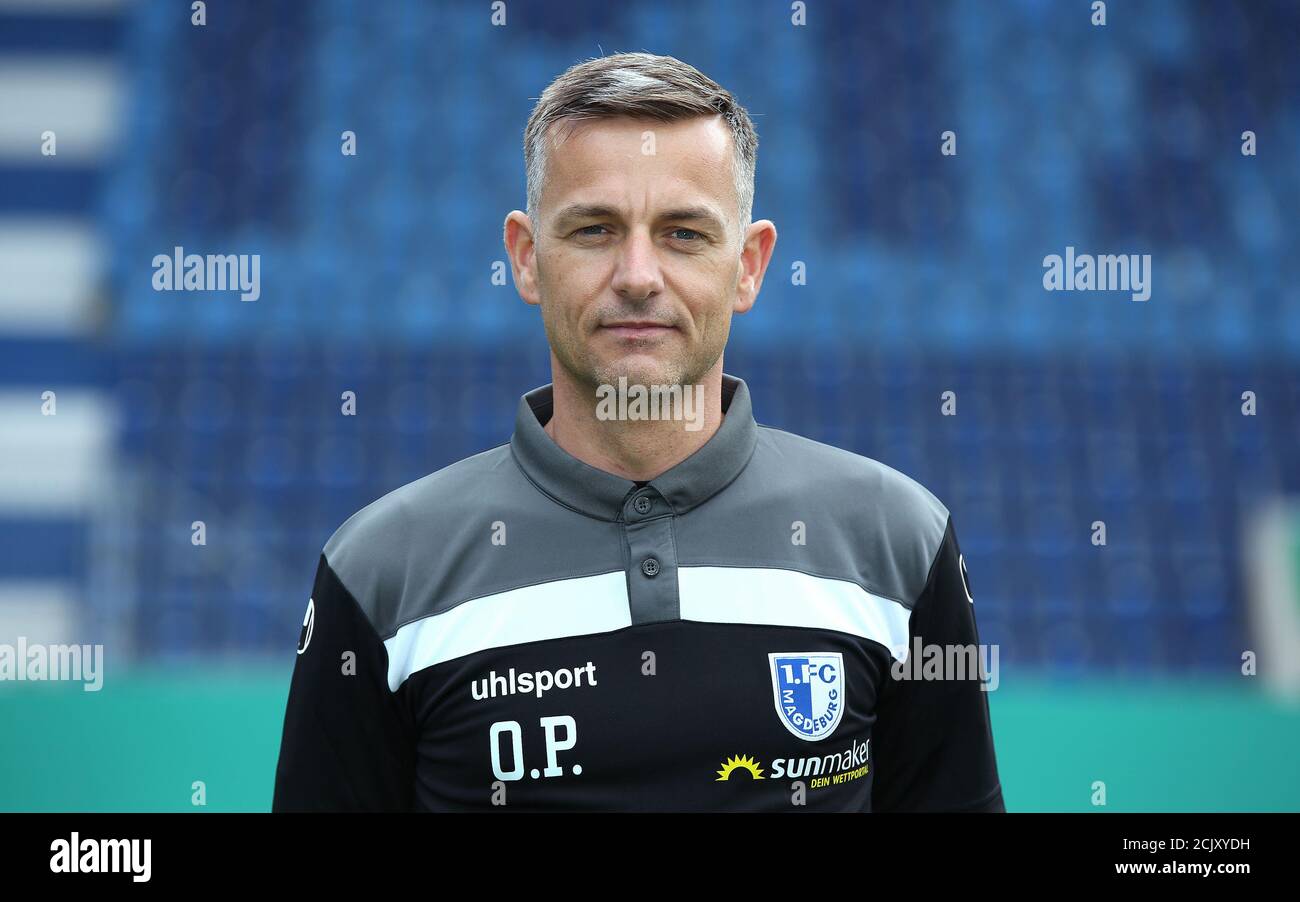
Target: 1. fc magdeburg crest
x=809 y=691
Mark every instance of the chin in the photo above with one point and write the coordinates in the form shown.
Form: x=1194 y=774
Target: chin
x=641 y=370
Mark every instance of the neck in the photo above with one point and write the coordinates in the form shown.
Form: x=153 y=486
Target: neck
x=639 y=449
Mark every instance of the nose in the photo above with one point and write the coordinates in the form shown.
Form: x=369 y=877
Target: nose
x=636 y=274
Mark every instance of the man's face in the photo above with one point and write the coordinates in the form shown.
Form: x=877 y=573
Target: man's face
x=637 y=264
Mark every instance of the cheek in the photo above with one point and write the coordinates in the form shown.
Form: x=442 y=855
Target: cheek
x=709 y=297
x=569 y=281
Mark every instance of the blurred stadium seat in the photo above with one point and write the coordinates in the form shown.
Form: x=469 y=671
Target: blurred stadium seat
x=924 y=276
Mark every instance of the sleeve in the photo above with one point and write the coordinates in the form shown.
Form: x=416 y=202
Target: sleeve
x=932 y=744
x=348 y=742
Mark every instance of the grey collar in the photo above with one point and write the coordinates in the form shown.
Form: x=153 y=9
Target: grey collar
x=597 y=493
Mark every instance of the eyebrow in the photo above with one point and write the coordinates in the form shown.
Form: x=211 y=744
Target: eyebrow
x=603 y=211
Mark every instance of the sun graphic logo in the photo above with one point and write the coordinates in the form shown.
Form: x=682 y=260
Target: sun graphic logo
x=743 y=762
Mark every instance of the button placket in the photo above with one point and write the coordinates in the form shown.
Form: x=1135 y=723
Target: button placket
x=652 y=573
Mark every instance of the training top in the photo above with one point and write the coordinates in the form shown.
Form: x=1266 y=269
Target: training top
x=520 y=631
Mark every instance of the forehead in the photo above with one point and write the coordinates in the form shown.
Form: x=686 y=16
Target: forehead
x=608 y=159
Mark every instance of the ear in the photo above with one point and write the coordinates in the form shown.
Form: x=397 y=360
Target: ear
x=755 y=254
x=522 y=250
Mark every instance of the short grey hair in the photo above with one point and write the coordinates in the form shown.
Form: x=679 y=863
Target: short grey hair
x=639 y=85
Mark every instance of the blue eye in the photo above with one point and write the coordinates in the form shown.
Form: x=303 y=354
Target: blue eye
x=692 y=232
x=585 y=230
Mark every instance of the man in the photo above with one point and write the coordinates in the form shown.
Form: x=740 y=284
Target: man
x=615 y=611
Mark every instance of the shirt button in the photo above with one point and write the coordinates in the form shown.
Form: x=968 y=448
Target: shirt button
x=650 y=567
x=642 y=504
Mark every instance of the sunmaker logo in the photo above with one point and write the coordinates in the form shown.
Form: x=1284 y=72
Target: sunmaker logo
x=836 y=767
x=830 y=769
x=102 y=856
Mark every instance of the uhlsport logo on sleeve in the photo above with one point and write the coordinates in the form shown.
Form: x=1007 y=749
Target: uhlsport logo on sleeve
x=808 y=688
x=308 y=626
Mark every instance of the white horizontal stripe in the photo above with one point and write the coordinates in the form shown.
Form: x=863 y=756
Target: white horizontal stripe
x=45 y=611
x=78 y=98
x=52 y=271
x=773 y=597
x=554 y=610
x=55 y=464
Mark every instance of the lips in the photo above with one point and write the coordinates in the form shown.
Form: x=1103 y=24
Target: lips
x=637 y=329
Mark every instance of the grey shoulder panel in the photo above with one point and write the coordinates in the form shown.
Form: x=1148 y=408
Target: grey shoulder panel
x=807 y=506
x=480 y=527
x=474 y=528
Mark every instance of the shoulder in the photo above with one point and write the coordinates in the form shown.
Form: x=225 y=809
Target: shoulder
x=834 y=467
x=893 y=523
x=378 y=550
